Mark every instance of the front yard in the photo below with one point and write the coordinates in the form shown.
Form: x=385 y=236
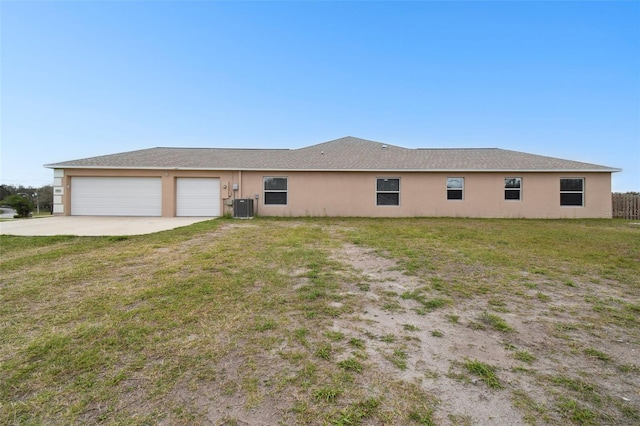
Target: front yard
x=325 y=321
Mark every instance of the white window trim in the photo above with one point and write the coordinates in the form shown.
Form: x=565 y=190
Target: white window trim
x=513 y=189
x=446 y=182
x=264 y=190
x=387 y=192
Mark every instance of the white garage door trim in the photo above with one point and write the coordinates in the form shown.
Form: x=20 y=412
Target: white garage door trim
x=198 y=197
x=116 y=196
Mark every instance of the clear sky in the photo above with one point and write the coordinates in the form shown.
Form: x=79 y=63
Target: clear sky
x=86 y=78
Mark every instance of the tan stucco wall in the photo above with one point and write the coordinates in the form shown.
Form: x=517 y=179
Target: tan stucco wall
x=168 y=184
x=354 y=193
x=424 y=194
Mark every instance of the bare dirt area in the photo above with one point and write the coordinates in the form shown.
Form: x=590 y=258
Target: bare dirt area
x=431 y=359
x=438 y=342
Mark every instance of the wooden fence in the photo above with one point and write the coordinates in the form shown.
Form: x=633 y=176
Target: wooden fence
x=626 y=205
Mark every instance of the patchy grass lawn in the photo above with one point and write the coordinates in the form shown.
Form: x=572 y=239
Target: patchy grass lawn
x=325 y=321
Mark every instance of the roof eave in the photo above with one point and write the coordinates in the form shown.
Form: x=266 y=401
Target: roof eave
x=443 y=170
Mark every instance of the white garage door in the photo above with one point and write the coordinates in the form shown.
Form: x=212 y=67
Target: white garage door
x=198 y=197
x=116 y=196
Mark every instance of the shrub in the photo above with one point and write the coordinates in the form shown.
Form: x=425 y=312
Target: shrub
x=22 y=205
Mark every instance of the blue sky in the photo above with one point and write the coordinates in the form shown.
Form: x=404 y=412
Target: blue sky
x=80 y=79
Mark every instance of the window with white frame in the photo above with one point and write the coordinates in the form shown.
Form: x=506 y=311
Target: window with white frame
x=387 y=191
x=455 y=188
x=275 y=190
x=513 y=189
x=572 y=192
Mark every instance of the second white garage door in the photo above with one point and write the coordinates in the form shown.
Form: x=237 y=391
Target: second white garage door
x=116 y=196
x=198 y=197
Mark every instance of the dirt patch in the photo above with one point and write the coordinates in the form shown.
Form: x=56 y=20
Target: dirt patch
x=430 y=358
x=438 y=343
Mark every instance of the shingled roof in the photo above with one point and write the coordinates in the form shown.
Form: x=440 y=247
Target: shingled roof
x=348 y=153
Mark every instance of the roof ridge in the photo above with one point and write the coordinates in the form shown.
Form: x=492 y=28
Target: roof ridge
x=220 y=149
x=458 y=149
x=347 y=153
x=350 y=139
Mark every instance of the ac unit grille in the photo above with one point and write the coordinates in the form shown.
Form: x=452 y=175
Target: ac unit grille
x=243 y=208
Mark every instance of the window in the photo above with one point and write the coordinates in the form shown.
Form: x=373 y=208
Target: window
x=275 y=190
x=512 y=188
x=387 y=192
x=572 y=192
x=455 y=187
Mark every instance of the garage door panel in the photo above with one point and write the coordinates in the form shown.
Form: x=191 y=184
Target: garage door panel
x=116 y=196
x=198 y=197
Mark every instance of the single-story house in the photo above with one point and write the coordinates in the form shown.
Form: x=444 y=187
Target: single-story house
x=343 y=177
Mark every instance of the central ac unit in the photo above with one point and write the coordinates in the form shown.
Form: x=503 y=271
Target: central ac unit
x=243 y=208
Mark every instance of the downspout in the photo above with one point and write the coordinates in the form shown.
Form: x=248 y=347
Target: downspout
x=240 y=182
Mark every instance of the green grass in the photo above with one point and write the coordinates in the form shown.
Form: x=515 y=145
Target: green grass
x=422 y=417
x=108 y=329
x=453 y=319
x=335 y=335
x=577 y=414
x=357 y=343
x=427 y=304
x=496 y=322
x=485 y=372
x=585 y=389
x=524 y=356
x=602 y=356
x=328 y=394
x=398 y=358
x=388 y=338
x=324 y=351
x=351 y=364
x=264 y=324
x=355 y=413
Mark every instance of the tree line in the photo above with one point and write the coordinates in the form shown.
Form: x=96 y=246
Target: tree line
x=27 y=199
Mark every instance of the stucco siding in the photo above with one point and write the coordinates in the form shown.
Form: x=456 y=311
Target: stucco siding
x=425 y=194
x=168 y=184
x=311 y=193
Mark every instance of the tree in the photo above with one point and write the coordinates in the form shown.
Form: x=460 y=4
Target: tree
x=45 y=194
x=6 y=190
x=22 y=205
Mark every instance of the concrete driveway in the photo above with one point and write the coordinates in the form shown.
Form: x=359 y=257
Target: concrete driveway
x=94 y=225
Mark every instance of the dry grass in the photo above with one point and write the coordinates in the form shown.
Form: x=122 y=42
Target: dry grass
x=259 y=322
